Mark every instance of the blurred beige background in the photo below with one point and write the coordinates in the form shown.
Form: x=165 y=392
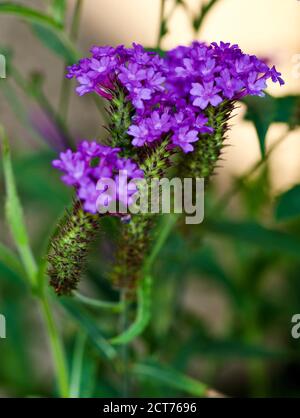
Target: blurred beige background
x=269 y=28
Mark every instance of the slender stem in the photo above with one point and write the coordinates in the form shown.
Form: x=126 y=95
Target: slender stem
x=204 y=11
x=124 y=347
x=57 y=349
x=169 y=222
x=65 y=92
x=33 y=272
x=161 y=22
x=75 y=379
x=95 y=303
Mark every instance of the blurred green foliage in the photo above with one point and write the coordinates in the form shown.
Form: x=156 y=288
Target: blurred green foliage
x=248 y=258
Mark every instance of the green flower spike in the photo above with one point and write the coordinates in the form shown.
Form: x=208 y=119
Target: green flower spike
x=69 y=248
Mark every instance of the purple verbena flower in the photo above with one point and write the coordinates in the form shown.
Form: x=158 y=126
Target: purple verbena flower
x=255 y=85
x=228 y=84
x=184 y=137
x=170 y=95
x=92 y=164
x=206 y=94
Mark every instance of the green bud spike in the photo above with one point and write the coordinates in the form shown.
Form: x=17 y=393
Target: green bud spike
x=120 y=112
x=69 y=248
x=202 y=161
x=156 y=161
x=133 y=245
x=136 y=236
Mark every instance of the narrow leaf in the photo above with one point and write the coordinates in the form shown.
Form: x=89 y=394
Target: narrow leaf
x=172 y=378
x=288 y=205
x=143 y=314
x=29 y=14
x=14 y=213
x=58 y=10
x=91 y=329
x=56 y=41
x=10 y=260
x=258 y=235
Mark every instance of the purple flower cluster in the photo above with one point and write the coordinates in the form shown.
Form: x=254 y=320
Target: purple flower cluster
x=171 y=98
x=170 y=95
x=88 y=168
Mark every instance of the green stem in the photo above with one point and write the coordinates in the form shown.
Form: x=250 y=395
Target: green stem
x=204 y=11
x=15 y=219
x=95 y=303
x=65 y=93
x=57 y=349
x=124 y=347
x=75 y=380
x=161 y=22
x=169 y=221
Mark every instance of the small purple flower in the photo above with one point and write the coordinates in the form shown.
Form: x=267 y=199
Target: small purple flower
x=87 y=85
x=140 y=133
x=201 y=124
x=229 y=84
x=138 y=95
x=184 y=137
x=131 y=74
x=100 y=66
x=208 y=68
x=206 y=94
x=155 y=79
x=255 y=85
x=243 y=65
x=159 y=123
x=102 y=51
x=276 y=76
x=80 y=172
x=73 y=164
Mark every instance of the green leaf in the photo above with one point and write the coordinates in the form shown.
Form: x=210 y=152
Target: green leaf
x=89 y=326
x=163 y=29
x=143 y=313
x=205 y=261
x=77 y=364
x=171 y=378
x=10 y=260
x=288 y=205
x=29 y=14
x=258 y=235
x=235 y=349
x=18 y=108
x=265 y=111
x=287 y=110
x=58 y=10
x=56 y=41
x=14 y=213
x=199 y=19
x=262 y=112
x=47 y=29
